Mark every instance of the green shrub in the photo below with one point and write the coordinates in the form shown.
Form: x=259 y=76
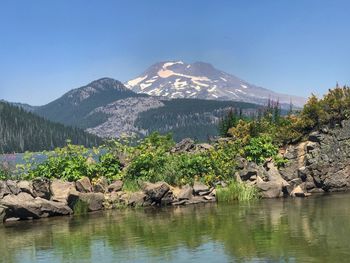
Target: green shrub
x=149 y=159
x=68 y=163
x=108 y=166
x=222 y=159
x=259 y=149
x=280 y=161
x=3 y=174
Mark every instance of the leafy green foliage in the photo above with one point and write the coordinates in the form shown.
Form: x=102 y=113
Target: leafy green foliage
x=152 y=161
x=3 y=174
x=149 y=158
x=108 y=165
x=222 y=161
x=330 y=110
x=68 y=163
x=71 y=163
x=259 y=149
x=279 y=161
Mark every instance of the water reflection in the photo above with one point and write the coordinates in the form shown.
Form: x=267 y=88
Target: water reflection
x=300 y=230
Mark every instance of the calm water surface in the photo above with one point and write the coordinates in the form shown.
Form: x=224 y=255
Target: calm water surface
x=316 y=229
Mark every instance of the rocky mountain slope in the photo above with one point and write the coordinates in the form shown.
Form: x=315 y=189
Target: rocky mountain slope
x=177 y=79
x=122 y=115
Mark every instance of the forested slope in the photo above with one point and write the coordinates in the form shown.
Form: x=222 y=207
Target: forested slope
x=24 y=131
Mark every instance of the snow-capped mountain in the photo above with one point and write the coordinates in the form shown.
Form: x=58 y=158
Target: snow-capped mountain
x=177 y=79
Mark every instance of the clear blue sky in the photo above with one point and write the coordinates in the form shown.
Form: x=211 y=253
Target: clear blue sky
x=290 y=46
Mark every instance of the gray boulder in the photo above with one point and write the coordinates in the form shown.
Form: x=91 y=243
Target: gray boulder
x=203 y=147
x=101 y=185
x=188 y=145
x=2 y=213
x=240 y=163
x=60 y=190
x=94 y=201
x=155 y=192
x=185 y=193
x=199 y=187
x=12 y=185
x=250 y=170
x=295 y=154
x=24 y=206
x=83 y=185
x=51 y=208
x=298 y=192
x=271 y=189
x=167 y=199
x=41 y=188
x=115 y=186
x=26 y=187
x=136 y=199
x=315 y=137
x=20 y=206
x=209 y=198
x=4 y=190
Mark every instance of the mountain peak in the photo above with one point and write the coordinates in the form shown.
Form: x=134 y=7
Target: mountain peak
x=201 y=80
x=105 y=83
x=97 y=86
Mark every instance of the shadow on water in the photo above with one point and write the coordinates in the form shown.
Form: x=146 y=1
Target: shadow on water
x=290 y=230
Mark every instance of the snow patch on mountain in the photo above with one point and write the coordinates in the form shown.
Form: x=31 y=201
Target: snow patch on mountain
x=136 y=81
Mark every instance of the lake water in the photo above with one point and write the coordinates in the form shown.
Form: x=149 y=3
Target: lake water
x=316 y=229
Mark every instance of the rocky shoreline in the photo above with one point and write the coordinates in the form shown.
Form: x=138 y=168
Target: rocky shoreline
x=319 y=164
x=40 y=198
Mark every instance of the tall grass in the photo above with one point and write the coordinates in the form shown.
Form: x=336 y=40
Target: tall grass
x=236 y=191
x=131 y=186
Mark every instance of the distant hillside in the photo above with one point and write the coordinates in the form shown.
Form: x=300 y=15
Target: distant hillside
x=22 y=131
x=74 y=106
